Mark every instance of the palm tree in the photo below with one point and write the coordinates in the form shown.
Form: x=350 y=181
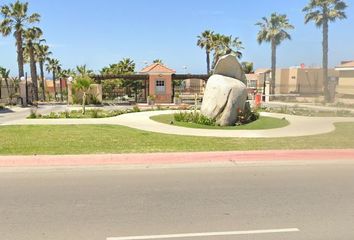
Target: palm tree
x=15 y=20
x=54 y=67
x=83 y=83
x=42 y=53
x=31 y=35
x=126 y=65
x=322 y=12
x=222 y=45
x=247 y=67
x=205 y=42
x=5 y=75
x=273 y=30
x=83 y=70
x=155 y=61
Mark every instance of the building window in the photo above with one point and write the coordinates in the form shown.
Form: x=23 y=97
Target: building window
x=252 y=83
x=160 y=87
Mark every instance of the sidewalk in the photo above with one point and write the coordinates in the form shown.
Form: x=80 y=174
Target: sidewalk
x=147 y=159
x=306 y=105
x=299 y=125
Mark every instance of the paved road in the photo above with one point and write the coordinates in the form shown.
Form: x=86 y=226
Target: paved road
x=97 y=203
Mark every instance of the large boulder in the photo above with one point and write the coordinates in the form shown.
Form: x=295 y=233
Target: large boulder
x=223 y=98
x=229 y=66
x=225 y=93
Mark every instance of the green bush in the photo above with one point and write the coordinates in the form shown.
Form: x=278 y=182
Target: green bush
x=33 y=114
x=95 y=113
x=193 y=117
x=136 y=109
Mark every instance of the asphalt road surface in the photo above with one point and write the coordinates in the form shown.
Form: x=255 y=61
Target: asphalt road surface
x=241 y=202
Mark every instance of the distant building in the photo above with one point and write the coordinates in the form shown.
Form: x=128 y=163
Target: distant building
x=301 y=80
x=345 y=85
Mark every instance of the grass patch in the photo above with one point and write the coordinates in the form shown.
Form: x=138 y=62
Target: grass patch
x=261 y=123
x=91 y=139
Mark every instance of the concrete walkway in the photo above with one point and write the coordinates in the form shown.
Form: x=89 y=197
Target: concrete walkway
x=307 y=106
x=299 y=125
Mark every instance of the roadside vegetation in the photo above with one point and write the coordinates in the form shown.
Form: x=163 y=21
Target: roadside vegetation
x=91 y=139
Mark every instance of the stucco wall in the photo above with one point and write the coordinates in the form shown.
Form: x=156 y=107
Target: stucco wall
x=161 y=97
x=346 y=82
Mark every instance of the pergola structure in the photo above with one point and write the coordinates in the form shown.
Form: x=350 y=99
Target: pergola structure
x=157 y=80
x=142 y=77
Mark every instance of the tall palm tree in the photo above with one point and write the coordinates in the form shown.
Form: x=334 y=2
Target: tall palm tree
x=274 y=30
x=54 y=67
x=42 y=53
x=205 y=42
x=222 y=45
x=322 y=12
x=15 y=20
x=31 y=36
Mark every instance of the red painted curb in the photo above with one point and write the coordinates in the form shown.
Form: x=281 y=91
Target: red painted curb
x=174 y=158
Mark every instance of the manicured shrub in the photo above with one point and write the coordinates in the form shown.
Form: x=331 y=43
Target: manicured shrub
x=193 y=117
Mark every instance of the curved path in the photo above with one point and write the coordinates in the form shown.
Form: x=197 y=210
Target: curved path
x=299 y=125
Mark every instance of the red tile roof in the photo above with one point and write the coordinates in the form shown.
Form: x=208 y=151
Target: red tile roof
x=157 y=68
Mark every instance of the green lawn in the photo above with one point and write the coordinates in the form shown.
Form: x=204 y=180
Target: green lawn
x=80 y=139
x=261 y=123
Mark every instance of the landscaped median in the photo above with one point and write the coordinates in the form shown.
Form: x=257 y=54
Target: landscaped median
x=94 y=139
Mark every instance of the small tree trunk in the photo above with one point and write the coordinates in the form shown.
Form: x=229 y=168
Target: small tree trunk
x=61 y=90
x=274 y=67
x=208 y=61
x=18 y=36
x=41 y=69
x=84 y=103
x=54 y=87
x=33 y=72
x=325 y=61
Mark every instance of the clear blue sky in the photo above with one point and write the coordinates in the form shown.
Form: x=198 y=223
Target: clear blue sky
x=100 y=32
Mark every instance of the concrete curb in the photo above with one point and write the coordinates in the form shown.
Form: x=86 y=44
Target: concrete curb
x=175 y=158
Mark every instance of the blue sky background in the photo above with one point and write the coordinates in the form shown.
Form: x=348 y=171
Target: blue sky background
x=98 y=33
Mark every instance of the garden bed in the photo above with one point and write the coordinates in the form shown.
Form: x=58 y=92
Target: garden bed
x=261 y=123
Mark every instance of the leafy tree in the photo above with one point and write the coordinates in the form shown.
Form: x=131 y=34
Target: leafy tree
x=83 y=83
x=247 y=67
x=205 y=41
x=274 y=30
x=322 y=12
x=31 y=36
x=54 y=67
x=16 y=18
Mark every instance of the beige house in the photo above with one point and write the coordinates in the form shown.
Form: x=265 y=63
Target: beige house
x=345 y=85
x=301 y=80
